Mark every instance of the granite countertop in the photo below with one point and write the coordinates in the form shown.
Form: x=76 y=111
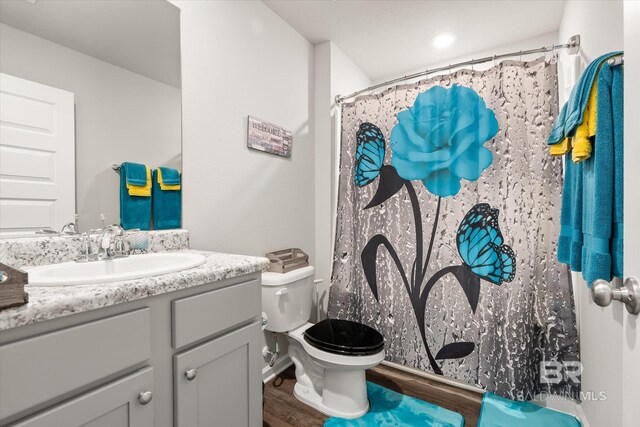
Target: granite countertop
x=47 y=303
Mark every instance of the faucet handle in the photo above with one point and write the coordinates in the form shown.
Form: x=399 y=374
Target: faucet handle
x=121 y=247
x=86 y=250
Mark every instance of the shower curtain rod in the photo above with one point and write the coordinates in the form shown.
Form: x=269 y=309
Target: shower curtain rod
x=573 y=45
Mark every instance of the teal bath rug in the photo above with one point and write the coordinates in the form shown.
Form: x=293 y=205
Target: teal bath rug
x=497 y=411
x=391 y=409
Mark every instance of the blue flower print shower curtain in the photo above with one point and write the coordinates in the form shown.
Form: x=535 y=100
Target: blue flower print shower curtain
x=447 y=227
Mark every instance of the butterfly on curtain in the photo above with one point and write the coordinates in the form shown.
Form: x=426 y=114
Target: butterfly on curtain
x=480 y=244
x=369 y=154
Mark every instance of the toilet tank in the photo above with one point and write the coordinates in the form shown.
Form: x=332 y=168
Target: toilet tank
x=287 y=298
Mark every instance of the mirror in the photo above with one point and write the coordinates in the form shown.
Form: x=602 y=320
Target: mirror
x=85 y=85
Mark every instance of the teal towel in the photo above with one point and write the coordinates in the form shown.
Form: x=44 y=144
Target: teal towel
x=391 y=409
x=600 y=184
x=497 y=411
x=135 y=173
x=170 y=176
x=135 y=211
x=167 y=204
x=617 y=93
x=570 y=239
x=571 y=114
x=591 y=219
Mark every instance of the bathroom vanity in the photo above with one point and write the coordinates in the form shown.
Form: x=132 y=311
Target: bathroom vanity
x=173 y=349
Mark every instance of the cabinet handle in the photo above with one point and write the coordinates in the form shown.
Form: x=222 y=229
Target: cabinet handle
x=145 y=397
x=190 y=374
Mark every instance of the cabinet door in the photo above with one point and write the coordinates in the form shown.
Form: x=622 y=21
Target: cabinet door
x=116 y=404
x=219 y=383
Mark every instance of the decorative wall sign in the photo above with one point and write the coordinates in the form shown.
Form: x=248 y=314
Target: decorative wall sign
x=267 y=137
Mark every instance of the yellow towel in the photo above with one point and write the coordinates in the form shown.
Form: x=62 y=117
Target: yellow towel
x=561 y=148
x=139 y=190
x=163 y=186
x=580 y=143
x=582 y=148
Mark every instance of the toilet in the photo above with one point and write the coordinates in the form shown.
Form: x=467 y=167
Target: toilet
x=331 y=356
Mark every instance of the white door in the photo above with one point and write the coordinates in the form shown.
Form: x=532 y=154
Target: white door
x=631 y=323
x=37 y=157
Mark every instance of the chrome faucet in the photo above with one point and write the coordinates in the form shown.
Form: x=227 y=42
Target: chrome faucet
x=113 y=235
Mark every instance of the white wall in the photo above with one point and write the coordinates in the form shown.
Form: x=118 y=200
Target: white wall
x=515 y=46
x=600 y=25
x=335 y=74
x=120 y=116
x=630 y=323
x=240 y=59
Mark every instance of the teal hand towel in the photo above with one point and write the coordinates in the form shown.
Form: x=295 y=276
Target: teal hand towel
x=170 y=176
x=497 y=411
x=617 y=93
x=571 y=114
x=135 y=211
x=167 y=204
x=135 y=173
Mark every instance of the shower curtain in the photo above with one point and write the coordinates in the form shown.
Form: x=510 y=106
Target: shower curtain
x=458 y=270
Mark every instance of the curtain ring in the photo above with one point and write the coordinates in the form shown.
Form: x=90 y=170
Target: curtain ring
x=473 y=61
x=520 y=56
x=494 y=60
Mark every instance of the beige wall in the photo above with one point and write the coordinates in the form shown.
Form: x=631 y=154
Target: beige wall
x=120 y=116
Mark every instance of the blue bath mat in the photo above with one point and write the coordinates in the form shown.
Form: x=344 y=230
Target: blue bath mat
x=500 y=412
x=391 y=409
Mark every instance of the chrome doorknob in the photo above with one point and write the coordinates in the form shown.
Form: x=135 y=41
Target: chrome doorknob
x=145 y=397
x=190 y=374
x=603 y=293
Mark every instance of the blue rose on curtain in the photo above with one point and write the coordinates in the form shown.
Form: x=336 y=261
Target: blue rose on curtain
x=440 y=139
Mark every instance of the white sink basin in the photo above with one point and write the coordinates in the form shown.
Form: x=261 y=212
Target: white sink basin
x=132 y=267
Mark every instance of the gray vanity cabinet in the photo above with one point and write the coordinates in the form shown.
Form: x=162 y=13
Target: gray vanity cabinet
x=217 y=384
x=127 y=402
x=191 y=357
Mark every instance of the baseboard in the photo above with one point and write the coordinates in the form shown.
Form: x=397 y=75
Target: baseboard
x=282 y=363
x=434 y=377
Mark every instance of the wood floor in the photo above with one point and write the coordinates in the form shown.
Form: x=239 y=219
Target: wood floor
x=282 y=409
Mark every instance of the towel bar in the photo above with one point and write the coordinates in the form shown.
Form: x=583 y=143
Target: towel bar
x=616 y=60
x=603 y=293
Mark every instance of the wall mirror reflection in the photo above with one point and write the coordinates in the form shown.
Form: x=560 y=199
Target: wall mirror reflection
x=84 y=85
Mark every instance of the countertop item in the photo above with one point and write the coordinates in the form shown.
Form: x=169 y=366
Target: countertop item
x=46 y=303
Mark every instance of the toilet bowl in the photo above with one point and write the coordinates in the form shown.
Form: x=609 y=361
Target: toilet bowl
x=331 y=356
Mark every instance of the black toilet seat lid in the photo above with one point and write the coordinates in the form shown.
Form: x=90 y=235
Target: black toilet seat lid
x=344 y=337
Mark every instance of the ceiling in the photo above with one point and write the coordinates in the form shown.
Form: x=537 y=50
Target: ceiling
x=140 y=36
x=387 y=38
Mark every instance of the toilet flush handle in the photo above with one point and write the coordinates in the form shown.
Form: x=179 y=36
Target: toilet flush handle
x=282 y=291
